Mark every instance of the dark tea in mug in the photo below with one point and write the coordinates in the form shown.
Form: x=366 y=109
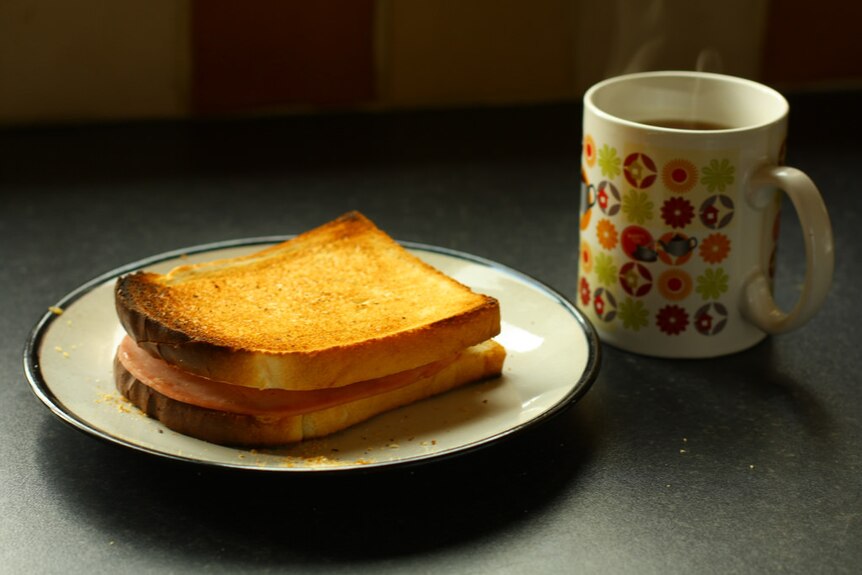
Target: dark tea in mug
x=686 y=124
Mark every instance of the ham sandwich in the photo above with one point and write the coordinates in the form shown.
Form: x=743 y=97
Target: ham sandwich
x=301 y=339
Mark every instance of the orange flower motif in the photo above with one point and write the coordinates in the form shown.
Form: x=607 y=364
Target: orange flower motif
x=590 y=150
x=607 y=234
x=586 y=257
x=715 y=248
x=679 y=175
x=674 y=284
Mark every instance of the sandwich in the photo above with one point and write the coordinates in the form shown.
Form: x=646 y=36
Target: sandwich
x=301 y=339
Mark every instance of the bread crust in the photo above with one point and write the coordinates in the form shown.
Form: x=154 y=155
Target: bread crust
x=480 y=362
x=398 y=334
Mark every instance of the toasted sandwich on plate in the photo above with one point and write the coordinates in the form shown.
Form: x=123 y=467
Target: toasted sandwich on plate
x=301 y=339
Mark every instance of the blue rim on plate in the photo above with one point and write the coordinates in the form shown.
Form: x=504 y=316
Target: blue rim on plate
x=49 y=385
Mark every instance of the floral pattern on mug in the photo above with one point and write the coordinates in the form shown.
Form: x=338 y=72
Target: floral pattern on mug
x=718 y=175
x=674 y=284
x=637 y=207
x=586 y=256
x=608 y=198
x=634 y=314
x=607 y=234
x=710 y=319
x=716 y=211
x=715 y=248
x=635 y=279
x=639 y=170
x=677 y=212
x=679 y=175
x=606 y=270
x=605 y=304
x=672 y=319
x=662 y=228
x=712 y=283
x=609 y=162
x=589 y=150
x=585 y=291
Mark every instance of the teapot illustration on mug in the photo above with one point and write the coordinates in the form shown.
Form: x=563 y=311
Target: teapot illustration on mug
x=678 y=245
x=644 y=253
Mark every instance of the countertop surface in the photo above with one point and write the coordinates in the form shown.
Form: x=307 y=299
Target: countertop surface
x=747 y=463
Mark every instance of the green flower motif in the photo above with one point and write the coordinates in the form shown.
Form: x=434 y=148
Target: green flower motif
x=712 y=283
x=637 y=206
x=717 y=175
x=634 y=314
x=606 y=271
x=609 y=162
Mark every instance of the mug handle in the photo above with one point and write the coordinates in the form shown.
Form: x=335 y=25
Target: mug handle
x=758 y=305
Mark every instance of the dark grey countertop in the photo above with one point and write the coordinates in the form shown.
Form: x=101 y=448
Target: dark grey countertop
x=748 y=463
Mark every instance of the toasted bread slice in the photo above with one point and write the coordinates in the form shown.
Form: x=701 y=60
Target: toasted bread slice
x=339 y=304
x=475 y=363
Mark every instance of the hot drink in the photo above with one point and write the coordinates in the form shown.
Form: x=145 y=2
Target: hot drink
x=686 y=124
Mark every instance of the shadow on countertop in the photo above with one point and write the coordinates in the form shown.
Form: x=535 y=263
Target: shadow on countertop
x=248 y=518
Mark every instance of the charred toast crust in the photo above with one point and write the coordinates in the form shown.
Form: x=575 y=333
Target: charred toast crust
x=148 y=313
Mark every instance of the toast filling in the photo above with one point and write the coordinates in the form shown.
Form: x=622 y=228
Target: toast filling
x=196 y=390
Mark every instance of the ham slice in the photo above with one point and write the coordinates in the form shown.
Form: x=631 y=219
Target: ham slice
x=195 y=390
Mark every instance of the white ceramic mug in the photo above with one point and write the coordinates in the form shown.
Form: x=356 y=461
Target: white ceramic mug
x=682 y=174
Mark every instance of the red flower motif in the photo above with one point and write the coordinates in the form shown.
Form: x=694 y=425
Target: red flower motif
x=710 y=319
x=672 y=319
x=704 y=322
x=677 y=212
x=603 y=199
x=599 y=305
x=716 y=211
x=608 y=198
x=709 y=216
x=585 y=291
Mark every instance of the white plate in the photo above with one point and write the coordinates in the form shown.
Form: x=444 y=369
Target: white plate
x=553 y=357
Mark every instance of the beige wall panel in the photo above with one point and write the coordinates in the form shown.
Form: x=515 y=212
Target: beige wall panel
x=475 y=51
x=92 y=59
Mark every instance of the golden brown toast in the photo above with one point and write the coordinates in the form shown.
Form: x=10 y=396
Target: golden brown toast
x=475 y=363
x=339 y=304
